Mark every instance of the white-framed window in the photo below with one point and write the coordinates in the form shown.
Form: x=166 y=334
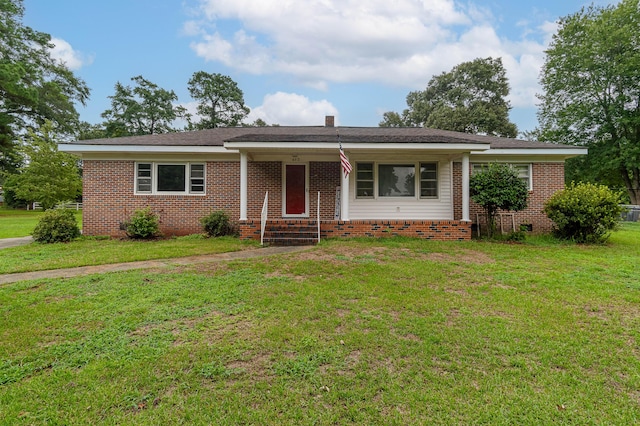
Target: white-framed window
x=170 y=178
x=364 y=180
x=400 y=180
x=523 y=170
x=428 y=180
x=396 y=180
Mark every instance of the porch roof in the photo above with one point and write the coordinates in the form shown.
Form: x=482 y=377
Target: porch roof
x=318 y=145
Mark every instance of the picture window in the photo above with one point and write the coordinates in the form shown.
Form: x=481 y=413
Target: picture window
x=396 y=180
x=170 y=178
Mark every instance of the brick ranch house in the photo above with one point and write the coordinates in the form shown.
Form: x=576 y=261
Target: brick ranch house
x=404 y=181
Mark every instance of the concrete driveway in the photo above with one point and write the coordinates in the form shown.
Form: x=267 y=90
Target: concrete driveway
x=14 y=242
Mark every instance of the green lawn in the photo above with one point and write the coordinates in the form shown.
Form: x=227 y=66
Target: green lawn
x=20 y=223
x=91 y=251
x=392 y=331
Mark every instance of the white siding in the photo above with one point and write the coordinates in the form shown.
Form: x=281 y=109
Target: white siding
x=414 y=208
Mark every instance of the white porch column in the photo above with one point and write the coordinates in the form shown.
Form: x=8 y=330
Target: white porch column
x=244 y=187
x=344 y=196
x=465 y=187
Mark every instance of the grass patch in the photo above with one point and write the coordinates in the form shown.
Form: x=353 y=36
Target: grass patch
x=391 y=331
x=99 y=251
x=20 y=223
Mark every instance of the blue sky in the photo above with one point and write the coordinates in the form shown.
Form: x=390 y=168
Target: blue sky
x=299 y=60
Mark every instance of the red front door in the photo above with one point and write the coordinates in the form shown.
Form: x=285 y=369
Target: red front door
x=295 y=189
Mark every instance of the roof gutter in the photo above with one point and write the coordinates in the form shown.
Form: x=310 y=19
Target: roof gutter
x=359 y=146
x=548 y=152
x=156 y=149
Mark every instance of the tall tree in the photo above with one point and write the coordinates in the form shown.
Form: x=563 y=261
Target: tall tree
x=221 y=102
x=34 y=87
x=471 y=98
x=393 y=119
x=87 y=130
x=48 y=176
x=591 y=83
x=144 y=109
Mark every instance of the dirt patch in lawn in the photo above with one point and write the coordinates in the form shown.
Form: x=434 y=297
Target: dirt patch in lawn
x=462 y=256
x=341 y=254
x=256 y=366
x=349 y=254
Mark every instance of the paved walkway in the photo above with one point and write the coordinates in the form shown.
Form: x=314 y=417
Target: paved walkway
x=149 y=264
x=13 y=242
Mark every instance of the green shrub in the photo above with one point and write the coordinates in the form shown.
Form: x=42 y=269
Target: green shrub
x=584 y=212
x=143 y=224
x=56 y=226
x=516 y=236
x=498 y=187
x=217 y=224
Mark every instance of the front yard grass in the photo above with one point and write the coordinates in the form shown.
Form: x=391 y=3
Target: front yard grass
x=391 y=331
x=21 y=223
x=91 y=251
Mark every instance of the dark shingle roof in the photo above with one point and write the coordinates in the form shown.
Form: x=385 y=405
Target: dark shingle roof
x=310 y=134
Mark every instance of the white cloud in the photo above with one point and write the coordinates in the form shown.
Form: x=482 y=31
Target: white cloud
x=291 y=109
x=401 y=43
x=63 y=52
x=191 y=28
x=548 y=29
x=214 y=48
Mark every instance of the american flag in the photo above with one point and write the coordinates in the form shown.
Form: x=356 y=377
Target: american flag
x=344 y=161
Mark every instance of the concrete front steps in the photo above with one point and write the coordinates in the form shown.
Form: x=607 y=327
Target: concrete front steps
x=291 y=233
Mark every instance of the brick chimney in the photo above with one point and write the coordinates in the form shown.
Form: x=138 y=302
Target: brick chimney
x=329 y=121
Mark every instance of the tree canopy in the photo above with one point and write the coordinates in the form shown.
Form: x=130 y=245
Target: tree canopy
x=220 y=100
x=49 y=176
x=34 y=87
x=591 y=84
x=144 y=109
x=470 y=98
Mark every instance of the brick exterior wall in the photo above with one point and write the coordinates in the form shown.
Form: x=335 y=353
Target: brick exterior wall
x=442 y=230
x=547 y=179
x=267 y=176
x=323 y=177
x=108 y=198
x=108 y=195
x=264 y=176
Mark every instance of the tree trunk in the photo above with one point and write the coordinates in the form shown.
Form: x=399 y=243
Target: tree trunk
x=633 y=184
x=491 y=221
x=634 y=195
